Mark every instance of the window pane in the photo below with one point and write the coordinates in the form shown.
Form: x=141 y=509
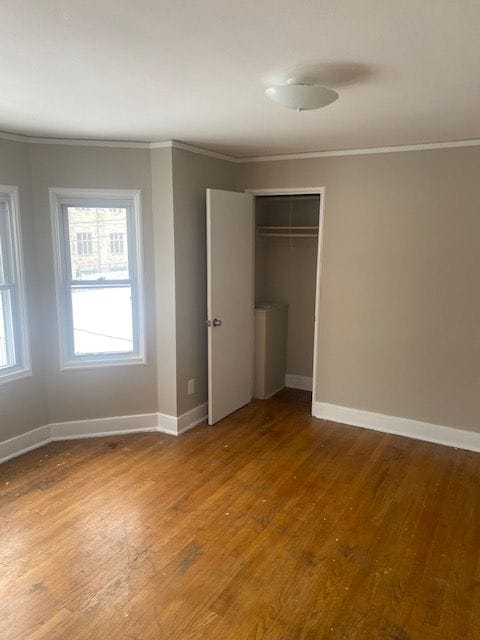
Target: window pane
x=7 y=350
x=102 y=320
x=5 y=246
x=92 y=231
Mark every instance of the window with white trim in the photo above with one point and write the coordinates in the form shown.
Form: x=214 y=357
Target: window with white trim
x=14 y=348
x=100 y=293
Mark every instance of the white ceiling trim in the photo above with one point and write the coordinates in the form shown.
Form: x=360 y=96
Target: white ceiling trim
x=15 y=137
x=206 y=152
x=365 y=151
x=74 y=142
x=169 y=144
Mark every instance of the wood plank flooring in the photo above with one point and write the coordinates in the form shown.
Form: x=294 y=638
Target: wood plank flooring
x=270 y=525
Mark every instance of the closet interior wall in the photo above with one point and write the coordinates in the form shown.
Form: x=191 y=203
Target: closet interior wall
x=286 y=268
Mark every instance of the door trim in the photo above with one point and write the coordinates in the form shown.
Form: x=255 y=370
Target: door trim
x=321 y=191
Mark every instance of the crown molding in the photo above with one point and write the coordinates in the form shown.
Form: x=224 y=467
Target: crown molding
x=167 y=144
x=73 y=142
x=175 y=144
x=199 y=151
x=123 y=144
x=15 y=137
x=428 y=146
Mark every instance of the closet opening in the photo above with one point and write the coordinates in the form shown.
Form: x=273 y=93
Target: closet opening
x=288 y=243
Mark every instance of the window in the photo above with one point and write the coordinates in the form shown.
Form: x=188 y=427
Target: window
x=116 y=243
x=99 y=276
x=14 y=349
x=84 y=243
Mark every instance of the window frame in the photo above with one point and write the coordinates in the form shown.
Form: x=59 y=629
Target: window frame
x=60 y=199
x=22 y=367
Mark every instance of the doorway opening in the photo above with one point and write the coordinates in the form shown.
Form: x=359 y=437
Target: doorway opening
x=288 y=244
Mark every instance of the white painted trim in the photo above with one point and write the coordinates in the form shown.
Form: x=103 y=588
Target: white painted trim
x=169 y=144
x=428 y=146
x=74 y=142
x=298 y=382
x=99 y=427
x=167 y=424
x=14 y=137
x=192 y=418
x=318 y=296
x=21 y=328
x=132 y=197
x=199 y=151
x=122 y=144
x=439 y=434
x=23 y=443
x=282 y=191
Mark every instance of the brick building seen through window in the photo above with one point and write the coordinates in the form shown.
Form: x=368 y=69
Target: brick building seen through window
x=98 y=243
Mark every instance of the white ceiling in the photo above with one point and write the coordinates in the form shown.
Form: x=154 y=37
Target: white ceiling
x=195 y=70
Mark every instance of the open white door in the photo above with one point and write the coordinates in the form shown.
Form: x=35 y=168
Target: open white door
x=230 y=301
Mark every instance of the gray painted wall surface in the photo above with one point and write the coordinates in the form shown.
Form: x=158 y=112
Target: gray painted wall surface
x=399 y=316
x=192 y=175
x=399 y=329
x=23 y=404
x=96 y=392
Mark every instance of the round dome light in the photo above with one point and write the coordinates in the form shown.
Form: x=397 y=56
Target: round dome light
x=301 y=96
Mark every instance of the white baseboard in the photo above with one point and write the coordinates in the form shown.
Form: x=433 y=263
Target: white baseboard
x=167 y=424
x=298 y=382
x=191 y=418
x=23 y=443
x=98 y=427
x=439 y=434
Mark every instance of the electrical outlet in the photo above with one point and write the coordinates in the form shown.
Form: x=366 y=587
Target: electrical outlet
x=191 y=386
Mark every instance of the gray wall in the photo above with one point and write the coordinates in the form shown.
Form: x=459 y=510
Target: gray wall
x=23 y=403
x=164 y=243
x=192 y=175
x=399 y=311
x=96 y=392
x=399 y=316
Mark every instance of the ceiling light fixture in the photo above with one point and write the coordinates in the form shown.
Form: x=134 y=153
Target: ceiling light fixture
x=301 y=96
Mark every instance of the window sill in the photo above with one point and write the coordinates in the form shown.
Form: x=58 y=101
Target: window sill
x=102 y=364
x=16 y=374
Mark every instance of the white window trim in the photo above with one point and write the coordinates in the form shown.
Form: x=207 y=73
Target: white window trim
x=21 y=369
x=105 y=197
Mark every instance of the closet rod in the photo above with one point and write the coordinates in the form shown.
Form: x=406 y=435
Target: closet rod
x=289 y=235
x=267 y=227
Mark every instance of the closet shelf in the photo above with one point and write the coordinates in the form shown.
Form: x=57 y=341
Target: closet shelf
x=289 y=235
x=292 y=231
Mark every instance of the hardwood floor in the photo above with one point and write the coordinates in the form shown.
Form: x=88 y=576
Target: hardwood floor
x=270 y=525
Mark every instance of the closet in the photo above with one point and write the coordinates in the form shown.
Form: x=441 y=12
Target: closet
x=286 y=252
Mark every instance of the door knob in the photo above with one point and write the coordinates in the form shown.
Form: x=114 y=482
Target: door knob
x=214 y=323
